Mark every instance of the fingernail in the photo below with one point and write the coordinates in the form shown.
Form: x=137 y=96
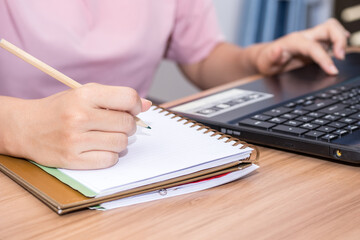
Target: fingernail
x=148 y=102
x=333 y=69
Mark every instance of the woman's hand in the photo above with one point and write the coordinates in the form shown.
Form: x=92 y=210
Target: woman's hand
x=296 y=49
x=83 y=128
x=228 y=62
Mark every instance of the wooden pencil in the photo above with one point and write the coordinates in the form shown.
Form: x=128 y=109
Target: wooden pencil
x=49 y=70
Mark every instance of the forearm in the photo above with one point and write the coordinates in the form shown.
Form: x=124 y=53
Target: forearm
x=227 y=62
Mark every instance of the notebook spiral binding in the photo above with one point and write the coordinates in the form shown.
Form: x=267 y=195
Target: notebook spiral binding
x=254 y=157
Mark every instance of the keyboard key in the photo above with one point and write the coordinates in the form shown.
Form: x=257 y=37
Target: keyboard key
x=290 y=105
x=344 y=96
x=333 y=109
x=334 y=91
x=326 y=129
x=277 y=111
x=289 y=130
x=307 y=103
x=356 y=107
x=300 y=101
x=315 y=114
x=319 y=105
x=299 y=112
x=320 y=121
x=331 y=117
x=261 y=117
x=309 y=126
x=340 y=132
x=348 y=120
x=350 y=101
x=304 y=119
x=293 y=123
x=356 y=116
x=329 y=137
x=343 y=88
x=277 y=120
x=324 y=95
x=352 y=128
x=313 y=134
x=310 y=98
x=337 y=124
x=289 y=116
x=256 y=123
x=345 y=112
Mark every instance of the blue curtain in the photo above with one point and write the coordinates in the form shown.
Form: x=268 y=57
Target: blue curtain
x=266 y=20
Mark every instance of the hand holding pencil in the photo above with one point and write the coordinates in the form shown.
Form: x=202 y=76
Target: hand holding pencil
x=85 y=127
x=48 y=70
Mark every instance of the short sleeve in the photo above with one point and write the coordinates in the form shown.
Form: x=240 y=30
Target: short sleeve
x=195 y=33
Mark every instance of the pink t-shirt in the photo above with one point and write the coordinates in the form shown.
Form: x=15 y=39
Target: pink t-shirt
x=113 y=42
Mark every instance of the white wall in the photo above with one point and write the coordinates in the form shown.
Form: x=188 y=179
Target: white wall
x=169 y=84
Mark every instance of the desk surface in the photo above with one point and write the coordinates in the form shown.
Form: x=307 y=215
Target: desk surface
x=289 y=197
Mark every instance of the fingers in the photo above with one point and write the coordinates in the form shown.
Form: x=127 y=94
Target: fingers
x=274 y=59
x=89 y=150
x=103 y=141
x=93 y=150
x=331 y=31
x=338 y=35
x=297 y=46
x=318 y=54
x=111 y=121
x=93 y=160
x=110 y=97
x=106 y=120
x=312 y=43
x=83 y=128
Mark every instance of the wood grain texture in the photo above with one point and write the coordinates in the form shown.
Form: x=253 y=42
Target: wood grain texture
x=290 y=196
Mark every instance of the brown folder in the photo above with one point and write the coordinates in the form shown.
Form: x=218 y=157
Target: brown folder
x=63 y=199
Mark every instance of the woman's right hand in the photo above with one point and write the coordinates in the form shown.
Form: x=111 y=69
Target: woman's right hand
x=83 y=128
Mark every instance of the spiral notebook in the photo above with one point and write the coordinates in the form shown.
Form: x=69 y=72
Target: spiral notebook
x=175 y=151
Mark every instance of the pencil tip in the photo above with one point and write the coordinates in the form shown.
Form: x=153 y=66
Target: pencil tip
x=148 y=127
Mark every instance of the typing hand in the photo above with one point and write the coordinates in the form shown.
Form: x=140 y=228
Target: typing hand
x=83 y=128
x=296 y=49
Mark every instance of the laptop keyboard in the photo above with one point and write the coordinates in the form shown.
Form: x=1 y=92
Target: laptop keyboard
x=324 y=116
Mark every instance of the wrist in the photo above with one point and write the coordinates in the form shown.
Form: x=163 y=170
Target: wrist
x=12 y=117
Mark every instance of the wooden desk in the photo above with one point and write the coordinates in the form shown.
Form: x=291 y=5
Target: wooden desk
x=289 y=197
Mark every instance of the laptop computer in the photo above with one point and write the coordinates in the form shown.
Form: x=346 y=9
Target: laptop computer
x=304 y=110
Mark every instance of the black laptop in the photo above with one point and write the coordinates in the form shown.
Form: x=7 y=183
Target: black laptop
x=305 y=111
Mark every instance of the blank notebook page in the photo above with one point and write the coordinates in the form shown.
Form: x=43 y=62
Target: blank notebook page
x=169 y=146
